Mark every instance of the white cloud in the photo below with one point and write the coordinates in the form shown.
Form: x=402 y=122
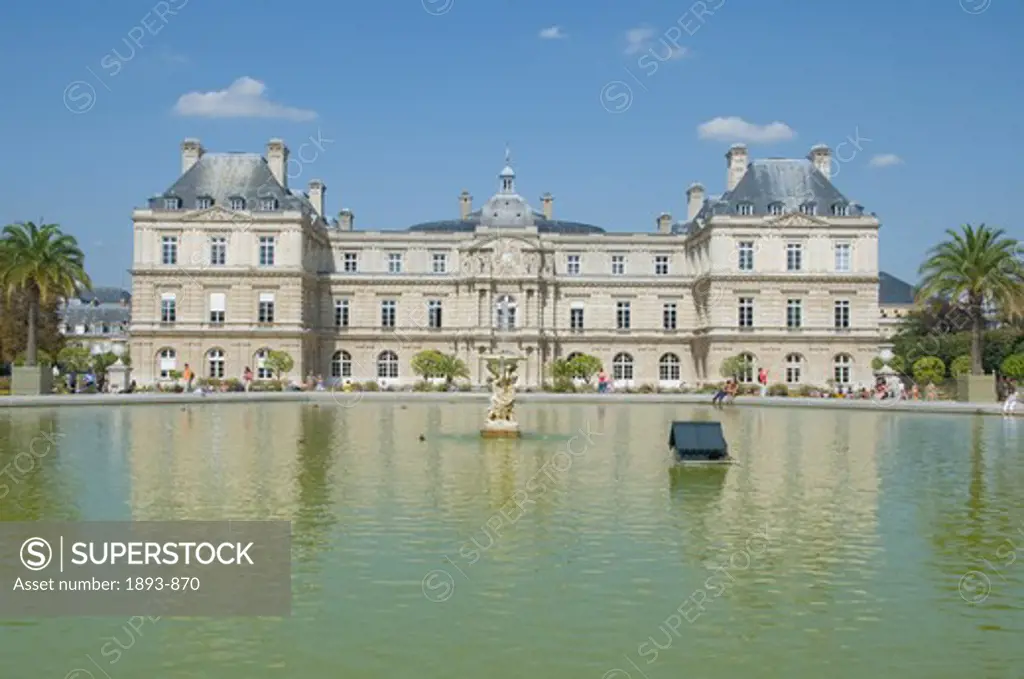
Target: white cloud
x=885 y=160
x=734 y=129
x=244 y=98
x=552 y=33
x=638 y=39
x=641 y=39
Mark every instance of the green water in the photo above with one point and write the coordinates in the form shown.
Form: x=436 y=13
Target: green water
x=836 y=547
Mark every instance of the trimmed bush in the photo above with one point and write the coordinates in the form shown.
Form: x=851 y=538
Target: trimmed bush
x=961 y=365
x=778 y=390
x=1013 y=366
x=929 y=370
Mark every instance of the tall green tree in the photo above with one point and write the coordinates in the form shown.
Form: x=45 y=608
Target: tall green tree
x=43 y=263
x=14 y=328
x=433 y=363
x=975 y=266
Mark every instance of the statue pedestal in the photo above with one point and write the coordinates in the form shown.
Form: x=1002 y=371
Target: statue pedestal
x=500 y=429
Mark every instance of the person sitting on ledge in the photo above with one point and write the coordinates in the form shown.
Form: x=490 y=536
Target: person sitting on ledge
x=721 y=393
x=732 y=389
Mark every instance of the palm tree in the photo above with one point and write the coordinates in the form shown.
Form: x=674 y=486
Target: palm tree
x=975 y=267
x=45 y=264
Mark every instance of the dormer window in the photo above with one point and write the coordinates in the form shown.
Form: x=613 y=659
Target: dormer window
x=204 y=203
x=840 y=210
x=775 y=209
x=237 y=203
x=268 y=204
x=744 y=209
x=172 y=203
x=808 y=209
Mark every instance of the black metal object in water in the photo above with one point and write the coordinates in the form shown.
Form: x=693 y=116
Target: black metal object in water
x=698 y=441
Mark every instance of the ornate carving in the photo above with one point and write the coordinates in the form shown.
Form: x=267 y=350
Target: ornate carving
x=797 y=219
x=503 y=390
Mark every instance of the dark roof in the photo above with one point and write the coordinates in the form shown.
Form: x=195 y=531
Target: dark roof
x=81 y=315
x=543 y=226
x=105 y=295
x=892 y=290
x=223 y=176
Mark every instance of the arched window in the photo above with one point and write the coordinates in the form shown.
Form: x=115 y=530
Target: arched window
x=794 y=368
x=505 y=313
x=841 y=368
x=167 y=362
x=387 y=365
x=262 y=371
x=622 y=367
x=668 y=368
x=747 y=371
x=341 y=364
x=215 y=363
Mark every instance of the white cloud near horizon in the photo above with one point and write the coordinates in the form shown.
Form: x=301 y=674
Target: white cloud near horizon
x=244 y=98
x=885 y=160
x=552 y=33
x=641 y=39
x=736 y=129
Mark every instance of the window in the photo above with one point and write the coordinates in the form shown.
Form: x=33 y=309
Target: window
x=341 y=364
x=794 y=256
x=840 y=210
x=661 y=265
x=505 y=313
x=746 y=252
x=841 y=369
x=775 y=209
x=266 y=308
x=168 y=310
x=794 y=364
x=843 y=258
x=268 y=204
x=809 y=209
x=572 y=265
x=387 y=365
x=747 y=362
x=794 y=313
x=262 y=371
x=746 y=312
x=237 y=203
x=351 y=262
x=439 y=262
x=266 y=251
x=622 y=315
x=434 y=313
x=218 y=306
x=169 y=251
x=394 y=262
x=215 y=363
x=668 y=316
x=576 y=318
x=167 y=362
x=204 y=203
x=668 y=368
x=744 y=209
x=622 y=367
x=618 y=265
x=388 y=313
x=172 y=203
x=842 y=314
x=218 y=250
x=341 y=313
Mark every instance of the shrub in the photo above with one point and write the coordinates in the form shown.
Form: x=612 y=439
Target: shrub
x=5 y=384
x=1013 y=366
x=563 y=385
x=807 y=391
x=234 y=384
x=929 y=370
x=778 y=390
x=422 y=386
x=961 y=365
x=465 y=386
x=370 y=385
x=897 y=363
x=646 y=389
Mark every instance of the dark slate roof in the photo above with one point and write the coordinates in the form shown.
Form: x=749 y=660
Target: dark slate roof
x=105 y=295
x=81 y=315
x=223 y=176
x=543 y=226
x=892 y=290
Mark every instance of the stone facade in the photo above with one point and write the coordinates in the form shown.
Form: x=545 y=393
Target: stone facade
x=230 y=262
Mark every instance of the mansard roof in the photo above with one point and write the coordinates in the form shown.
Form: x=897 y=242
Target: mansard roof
x=892 y=290
x=554 y=226
x=104 y=295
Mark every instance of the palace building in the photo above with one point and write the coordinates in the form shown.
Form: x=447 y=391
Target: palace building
x=230 y=262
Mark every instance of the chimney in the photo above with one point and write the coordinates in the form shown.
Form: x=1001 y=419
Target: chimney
x=694 y=200
x=191 y=152
x=736 y=158
x=465 y=205
x=821 y=156
x=277 y=159
x=547 y=202
x=316 y=195
x=345 y=219
x=664 y=223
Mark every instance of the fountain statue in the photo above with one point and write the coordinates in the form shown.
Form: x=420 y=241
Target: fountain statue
x=501 y=419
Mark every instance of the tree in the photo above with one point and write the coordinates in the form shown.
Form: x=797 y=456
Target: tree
x=279 y=363
x=976 y=266
x=75 y=359
x=734 y=366
x=433 y=363
x=896 y=363
x=585 y=366
x=1013 y=367
x=961 y=365
x=14 y=328
x=101 y=362
x=44 y=263
x=929 y=370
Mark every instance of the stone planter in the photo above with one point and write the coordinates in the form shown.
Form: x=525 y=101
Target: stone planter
x=31 y=380
x=976 y=389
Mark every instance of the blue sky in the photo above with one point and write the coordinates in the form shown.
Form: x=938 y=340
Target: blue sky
x=414 y=101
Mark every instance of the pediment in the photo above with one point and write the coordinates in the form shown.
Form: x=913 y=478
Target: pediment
x=212 y=214
x=797 y=219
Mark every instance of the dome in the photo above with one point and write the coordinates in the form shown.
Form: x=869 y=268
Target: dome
x=507 y=172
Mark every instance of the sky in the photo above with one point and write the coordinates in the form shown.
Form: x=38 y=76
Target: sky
x=613 y=106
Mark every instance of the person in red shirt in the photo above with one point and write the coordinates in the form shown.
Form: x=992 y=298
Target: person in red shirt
x=762 y=378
